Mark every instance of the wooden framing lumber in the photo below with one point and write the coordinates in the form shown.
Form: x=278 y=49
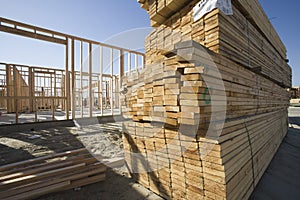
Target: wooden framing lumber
x=228 y=157
x=52 y=173
x=68 y=89
x=237 y=37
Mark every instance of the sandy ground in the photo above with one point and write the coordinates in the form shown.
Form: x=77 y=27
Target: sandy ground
x=98 y=139
x=23 y=145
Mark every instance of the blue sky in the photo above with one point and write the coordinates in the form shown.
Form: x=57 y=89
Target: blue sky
x=100 y=20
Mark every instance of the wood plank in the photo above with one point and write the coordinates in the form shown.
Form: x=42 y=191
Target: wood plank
x=39 y=192
x=40 y=159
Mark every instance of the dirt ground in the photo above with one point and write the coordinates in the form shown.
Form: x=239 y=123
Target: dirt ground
x=99 y=139
x=117 y=186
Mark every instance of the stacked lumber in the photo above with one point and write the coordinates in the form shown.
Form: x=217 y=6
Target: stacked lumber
x=160 y=11
x=247 y=46
x=166 y=90
x=202 y=125
x=169 y=11
x=52 y=173
x=210 y=109
x=238 y=37
x=230 y=170
x=261 y=20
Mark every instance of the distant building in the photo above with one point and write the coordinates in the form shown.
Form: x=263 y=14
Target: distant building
x=295 y=92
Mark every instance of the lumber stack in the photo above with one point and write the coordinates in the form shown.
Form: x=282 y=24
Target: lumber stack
x=165 y=166
x=190 y=80
x=177 y=144
x=209 y=111
x=240 y=37
x=61 y=171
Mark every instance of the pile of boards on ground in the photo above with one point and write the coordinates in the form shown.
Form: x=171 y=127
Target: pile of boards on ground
x=209 y=110
x=52 y=173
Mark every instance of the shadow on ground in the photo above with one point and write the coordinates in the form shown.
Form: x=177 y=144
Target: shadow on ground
x=281 y=180
x=116 y=186
x=17 y=146
x=294 y=121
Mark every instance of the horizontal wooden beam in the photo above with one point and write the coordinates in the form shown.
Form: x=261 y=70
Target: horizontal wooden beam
x=27 y=26
x=35 y=67
x=43 y=72
x=31 y=98
x=31 y=35
x=22 y=29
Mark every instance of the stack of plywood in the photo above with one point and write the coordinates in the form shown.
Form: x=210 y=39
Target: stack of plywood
x=62 y=171
x=241 y=37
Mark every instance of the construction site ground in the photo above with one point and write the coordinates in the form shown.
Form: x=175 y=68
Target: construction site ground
x=281 y=180
x=103 y=139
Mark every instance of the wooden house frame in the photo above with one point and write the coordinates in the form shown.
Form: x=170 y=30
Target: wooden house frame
x=30 y=88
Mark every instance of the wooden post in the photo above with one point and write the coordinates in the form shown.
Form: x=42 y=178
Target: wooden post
x=122 y=68
x=44 y=91
x=15 y=93
x=63 y=91
x=129 y=62
x=143 y=61
x=53 y=109
x=73 y=78
x=90 y=79
x=117 y=93
x=67 y=81
x=136 y=63
x=51 y=90
x=98 y=94
x=55 y=94
x=112 y=81
x=101 y=79
x=122 y=64
x=8 y=88
x=35 y=110
x=33 y=94
x=31 y=89
x=81 y=84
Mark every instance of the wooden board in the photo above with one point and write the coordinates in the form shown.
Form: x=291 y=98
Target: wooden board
x=61 y=171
